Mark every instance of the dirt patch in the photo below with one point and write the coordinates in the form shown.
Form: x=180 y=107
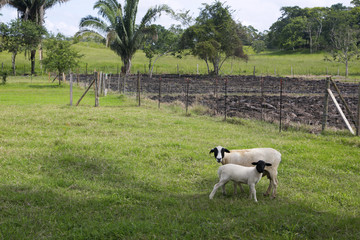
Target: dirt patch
x=247 y=96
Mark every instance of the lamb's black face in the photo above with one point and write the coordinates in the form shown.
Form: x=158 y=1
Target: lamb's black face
x=219 y=153
x=260 y=165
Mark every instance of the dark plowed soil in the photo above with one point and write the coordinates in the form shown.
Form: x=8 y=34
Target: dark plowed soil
x=302 y=102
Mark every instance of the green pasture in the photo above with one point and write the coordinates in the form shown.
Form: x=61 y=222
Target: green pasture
x=275 y=63
x=120 y=171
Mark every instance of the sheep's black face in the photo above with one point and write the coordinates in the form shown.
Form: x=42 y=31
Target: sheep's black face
x=219 y=153
x=260 y=165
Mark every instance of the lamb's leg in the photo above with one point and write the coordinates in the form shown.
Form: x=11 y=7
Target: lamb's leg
x=219 y=184
x=223 y=190
x=253 y=191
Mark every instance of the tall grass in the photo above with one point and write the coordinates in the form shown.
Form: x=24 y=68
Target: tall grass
x=125 y=172
x=97 y=57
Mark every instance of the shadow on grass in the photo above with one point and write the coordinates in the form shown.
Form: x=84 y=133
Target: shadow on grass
x=30 y=212
x=84 y=197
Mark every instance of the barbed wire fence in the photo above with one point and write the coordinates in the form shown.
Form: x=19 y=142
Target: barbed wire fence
x=287 y=101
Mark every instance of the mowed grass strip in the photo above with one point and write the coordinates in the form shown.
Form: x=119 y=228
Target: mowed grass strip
x=125 y=172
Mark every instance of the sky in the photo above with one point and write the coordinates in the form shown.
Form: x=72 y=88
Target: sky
x=260 y=14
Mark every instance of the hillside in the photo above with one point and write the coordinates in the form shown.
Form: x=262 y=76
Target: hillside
x=280 y=63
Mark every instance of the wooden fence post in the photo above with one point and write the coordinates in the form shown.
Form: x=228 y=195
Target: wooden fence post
x=344 y=102
x=159 y=92
x=225 y=98
x=71 y=89
x=119 y=79
x=358 y=115
x=138 y=87
x=281 y=92
x=187 y=94
x=326 y=105
x=85 y=92
x=262 y=97
x=97 y=76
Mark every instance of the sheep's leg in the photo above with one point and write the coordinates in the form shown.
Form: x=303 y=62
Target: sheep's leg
x=223 y=190
x=275 y=183
x=253 y=191
x=219 y=184
x=235 y=187
x=267 y=193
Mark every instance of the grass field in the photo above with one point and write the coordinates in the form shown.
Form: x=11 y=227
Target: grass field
x=96 y=56
x=125 y=172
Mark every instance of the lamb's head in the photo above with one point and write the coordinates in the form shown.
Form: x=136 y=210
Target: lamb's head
x=260 y=165
x=219 y=153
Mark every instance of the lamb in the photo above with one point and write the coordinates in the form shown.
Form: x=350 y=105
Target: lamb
x=245 y=157
x=240 y=174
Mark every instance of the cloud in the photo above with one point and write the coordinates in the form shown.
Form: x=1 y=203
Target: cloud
x=62 y=27
x=8 y=14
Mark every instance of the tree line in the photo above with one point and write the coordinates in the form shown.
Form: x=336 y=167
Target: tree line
x=213 y=36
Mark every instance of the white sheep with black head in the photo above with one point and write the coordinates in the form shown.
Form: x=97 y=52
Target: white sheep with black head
x=241 y=174
x=245 y=157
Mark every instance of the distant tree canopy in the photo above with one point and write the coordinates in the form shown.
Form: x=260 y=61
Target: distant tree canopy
x=20 y=36
x=34 y=11
x=213 y=37
x=311 y=28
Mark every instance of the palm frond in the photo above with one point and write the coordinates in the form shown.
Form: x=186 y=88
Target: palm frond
x=108 y=9
x=86 y=33
x=94 y=23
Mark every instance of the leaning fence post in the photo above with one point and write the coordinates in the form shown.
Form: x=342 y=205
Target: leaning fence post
x=326 y=105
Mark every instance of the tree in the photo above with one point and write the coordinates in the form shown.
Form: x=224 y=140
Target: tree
x=344 y=44
x=118 y=27
x=258 y=46
x=356 y=3
x=213 y=38
x=314 y=26
x=165 y=42
x=32 y=10
x=60 y=56
x=293 y=33
x=19 y=36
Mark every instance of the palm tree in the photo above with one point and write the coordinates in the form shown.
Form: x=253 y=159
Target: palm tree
x=32 y=10
x=118 y=28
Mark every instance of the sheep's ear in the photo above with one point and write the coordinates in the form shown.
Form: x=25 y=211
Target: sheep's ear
x=254 y=163
x=268 y=164
x=212 y=150
x=225 y=150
